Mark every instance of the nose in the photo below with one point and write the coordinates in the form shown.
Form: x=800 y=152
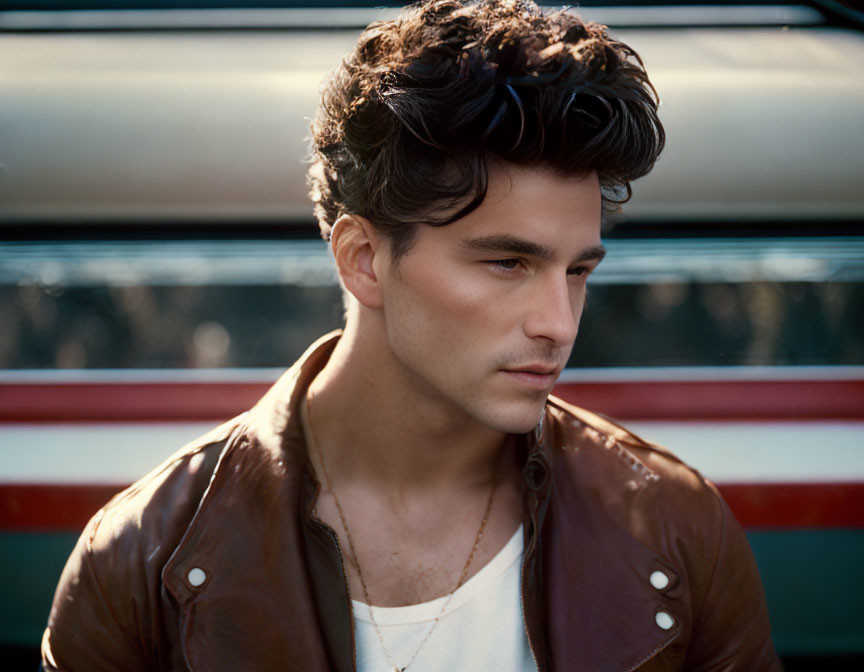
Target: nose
x=554 y=311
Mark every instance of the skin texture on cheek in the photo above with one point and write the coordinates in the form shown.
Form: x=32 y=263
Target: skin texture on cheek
x=432 y=322
x=456 y=321
x=452 y=327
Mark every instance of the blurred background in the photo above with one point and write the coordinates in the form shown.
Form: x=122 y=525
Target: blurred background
x=159 y=266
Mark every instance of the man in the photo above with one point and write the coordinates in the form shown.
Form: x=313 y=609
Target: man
x=408 y=496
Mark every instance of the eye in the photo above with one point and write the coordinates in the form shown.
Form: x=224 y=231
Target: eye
x=504 y=264
x=578 y=271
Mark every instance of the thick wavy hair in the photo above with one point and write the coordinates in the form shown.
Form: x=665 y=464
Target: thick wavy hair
x=411 y=121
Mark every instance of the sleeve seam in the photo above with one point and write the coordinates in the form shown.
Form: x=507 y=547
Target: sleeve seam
x=88 y=559
x=716 y=498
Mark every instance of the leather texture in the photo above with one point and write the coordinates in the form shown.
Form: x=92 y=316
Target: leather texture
x=603 y=510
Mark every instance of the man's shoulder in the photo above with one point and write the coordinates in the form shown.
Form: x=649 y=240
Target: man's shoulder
x=148 y=518
x=631 y=476
x=583 y=428
x=659 y=540
x=627 y=489
x=113 y=576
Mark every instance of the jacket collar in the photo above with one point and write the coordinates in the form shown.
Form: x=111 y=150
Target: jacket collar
x=571 y=478
x=603 y=503
x=249 y=516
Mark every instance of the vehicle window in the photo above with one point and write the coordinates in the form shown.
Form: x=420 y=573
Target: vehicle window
x=118 y=304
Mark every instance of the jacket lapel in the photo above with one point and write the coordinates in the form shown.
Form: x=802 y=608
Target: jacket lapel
x=606 y=619
x=327 y=573
x=251 y=604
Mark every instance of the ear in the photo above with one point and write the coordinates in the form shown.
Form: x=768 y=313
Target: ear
x=355 y=243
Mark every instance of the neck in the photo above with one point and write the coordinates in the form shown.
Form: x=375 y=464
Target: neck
x=373 y=423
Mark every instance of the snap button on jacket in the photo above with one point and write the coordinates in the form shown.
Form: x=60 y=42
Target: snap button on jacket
x=214 y=562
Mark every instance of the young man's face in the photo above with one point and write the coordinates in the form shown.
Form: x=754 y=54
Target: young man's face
x=482 y=313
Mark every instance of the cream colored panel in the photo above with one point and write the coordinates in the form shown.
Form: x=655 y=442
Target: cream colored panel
x=762 y=123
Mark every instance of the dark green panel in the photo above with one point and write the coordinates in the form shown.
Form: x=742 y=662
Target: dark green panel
x=30 y=565
x=815 y=588
x=813 y=581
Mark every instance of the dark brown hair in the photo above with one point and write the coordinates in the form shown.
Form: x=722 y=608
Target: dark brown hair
x=410 y=121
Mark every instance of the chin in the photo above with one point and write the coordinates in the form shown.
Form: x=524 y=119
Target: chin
x=513 y=418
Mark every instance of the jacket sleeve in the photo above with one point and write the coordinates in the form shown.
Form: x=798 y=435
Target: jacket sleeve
x=110 y=610
x=91 y=628
x=731 y=630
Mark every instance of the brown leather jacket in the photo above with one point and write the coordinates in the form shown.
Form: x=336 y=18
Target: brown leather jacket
x=603 y=511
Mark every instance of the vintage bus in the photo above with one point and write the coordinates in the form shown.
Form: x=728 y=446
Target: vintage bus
x=159 y=264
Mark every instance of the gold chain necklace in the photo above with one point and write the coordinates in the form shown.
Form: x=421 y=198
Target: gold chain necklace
x=393 y=666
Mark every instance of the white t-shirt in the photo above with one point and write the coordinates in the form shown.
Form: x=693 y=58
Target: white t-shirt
x=482 y=629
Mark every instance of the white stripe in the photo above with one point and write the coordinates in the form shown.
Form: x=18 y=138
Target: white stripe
x=89 y=453
x=618 y=374
x=774 y=452
x=727 y=452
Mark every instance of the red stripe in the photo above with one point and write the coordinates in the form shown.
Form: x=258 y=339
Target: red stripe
x=661 y=400
x=44 y=508
x=62 y=402
x=796 y=505
x=49 y=508
x=721 y=400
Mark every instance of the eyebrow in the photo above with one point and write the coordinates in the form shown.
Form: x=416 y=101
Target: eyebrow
x=507 y=244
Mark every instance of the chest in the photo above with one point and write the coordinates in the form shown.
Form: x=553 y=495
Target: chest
x=479 y=628
x=396 y=558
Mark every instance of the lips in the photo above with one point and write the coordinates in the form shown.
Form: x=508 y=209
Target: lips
x=538 y=369
x=534 y=376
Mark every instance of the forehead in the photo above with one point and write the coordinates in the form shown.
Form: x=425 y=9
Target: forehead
x=536 y=204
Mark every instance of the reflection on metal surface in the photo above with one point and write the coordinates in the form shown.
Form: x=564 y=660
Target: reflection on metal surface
x=359 y=17
x=302 y=263
x=307 y=263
